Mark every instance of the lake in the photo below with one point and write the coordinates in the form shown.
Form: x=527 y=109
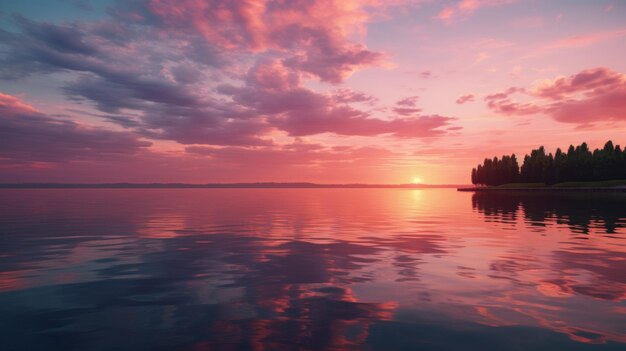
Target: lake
x=313 y=269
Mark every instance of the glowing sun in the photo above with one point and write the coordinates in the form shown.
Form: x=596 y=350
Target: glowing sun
x=416 y=180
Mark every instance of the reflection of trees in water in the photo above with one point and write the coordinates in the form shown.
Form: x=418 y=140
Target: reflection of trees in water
x=593 y=271
x=579 y=211
x=496 y=208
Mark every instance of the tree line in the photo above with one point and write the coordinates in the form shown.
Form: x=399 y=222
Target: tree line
x=577 y=164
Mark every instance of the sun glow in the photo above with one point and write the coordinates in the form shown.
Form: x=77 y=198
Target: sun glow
x=416 y=180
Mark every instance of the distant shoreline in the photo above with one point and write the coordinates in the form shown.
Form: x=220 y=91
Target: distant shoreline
x=268 y=185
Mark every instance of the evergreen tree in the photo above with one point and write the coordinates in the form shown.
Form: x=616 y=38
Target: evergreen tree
x=514 y=170
x=560 y=159
x=578 y=164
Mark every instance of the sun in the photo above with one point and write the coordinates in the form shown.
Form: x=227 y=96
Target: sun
x=416 y=180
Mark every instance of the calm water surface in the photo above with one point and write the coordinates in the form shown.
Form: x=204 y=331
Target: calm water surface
x=313 y=269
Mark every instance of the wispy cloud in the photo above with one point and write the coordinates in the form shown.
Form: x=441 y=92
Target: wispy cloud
x=583 y=40
x=464 y=8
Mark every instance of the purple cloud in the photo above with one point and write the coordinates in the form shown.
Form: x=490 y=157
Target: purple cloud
x=27 y=136
x=465 y=98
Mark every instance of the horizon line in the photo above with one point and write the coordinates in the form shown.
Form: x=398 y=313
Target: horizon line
x=41 y=185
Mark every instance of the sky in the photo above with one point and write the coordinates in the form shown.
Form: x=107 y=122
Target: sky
x=343 y=91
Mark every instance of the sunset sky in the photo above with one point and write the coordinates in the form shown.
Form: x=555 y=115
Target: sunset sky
x=321 y=91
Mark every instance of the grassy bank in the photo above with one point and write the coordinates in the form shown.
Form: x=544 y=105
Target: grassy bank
x=598 y=184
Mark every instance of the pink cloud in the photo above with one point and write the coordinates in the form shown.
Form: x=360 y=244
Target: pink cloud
x=344 y=120
x=12 y=106
x=465 y=98
x=591 y=81
x=589 y=96
x=332 y=62
x=314 y=35
x=345 y=95
x=426 y=74
x=418 y=127
x=606 y=106
x=597 y=94
x=504 y=103
x=446 y=14
x=406 y=111
x=408 y=101
x=583 y=40
x=407 y=106
x=290 y=107
x=228 y=23
x=272 y=75
x=465 y=8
